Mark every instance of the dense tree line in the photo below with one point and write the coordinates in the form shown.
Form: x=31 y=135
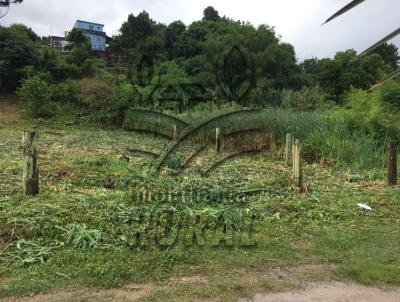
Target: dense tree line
x=196 y=54
x=23 y=53
x=196 y=49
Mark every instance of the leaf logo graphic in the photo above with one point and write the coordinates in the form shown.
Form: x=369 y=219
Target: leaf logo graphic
x=148 y=81
x=145 y=70
x=235 y=74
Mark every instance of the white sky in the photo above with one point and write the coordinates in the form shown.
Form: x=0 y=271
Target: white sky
x=297 y=21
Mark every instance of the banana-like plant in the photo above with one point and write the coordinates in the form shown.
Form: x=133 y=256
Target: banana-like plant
x=390 y=36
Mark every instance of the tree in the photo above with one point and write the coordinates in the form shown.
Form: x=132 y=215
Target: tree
x=210 y=14
x=135 y=30
x=277 y=63
x=23 y=32
x=388 y=37
x=77 y=38
x=345 y=70
x=389 y=53
x=173 y=33
x=15 y=55
x=80 y=46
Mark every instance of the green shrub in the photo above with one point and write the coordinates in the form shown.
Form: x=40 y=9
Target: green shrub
x=334 y=141
x=95 y=94
x=368 y=112
x=126 y=94
x=64 y=70
x=308 y=98
x=78 y=55
x=36 y=94
x=87 y=67
x=65 y=92
x=390 y=94
x=104 y=103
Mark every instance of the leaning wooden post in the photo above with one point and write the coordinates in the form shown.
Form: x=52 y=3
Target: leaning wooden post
x=298 y=166
x=288 y=148
x=392 y=163
x=218 y=140
x=30 y=173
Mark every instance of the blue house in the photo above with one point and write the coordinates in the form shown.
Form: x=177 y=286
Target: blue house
x=95 y=33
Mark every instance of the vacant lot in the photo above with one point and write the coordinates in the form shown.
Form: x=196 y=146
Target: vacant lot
x=73 y=240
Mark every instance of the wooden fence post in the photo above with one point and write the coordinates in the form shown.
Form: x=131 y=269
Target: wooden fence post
x=298 y=165
x=31 y=171
x=288 y=148
x=175 y=133
x=218 y=140
x=392 y=163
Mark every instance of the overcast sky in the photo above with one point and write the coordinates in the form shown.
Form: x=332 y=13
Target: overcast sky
x=296 y=21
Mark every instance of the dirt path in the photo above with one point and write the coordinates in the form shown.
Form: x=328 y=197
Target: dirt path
x=332 y=292
x=131 y=292
x=315 y=292
x=297 y=287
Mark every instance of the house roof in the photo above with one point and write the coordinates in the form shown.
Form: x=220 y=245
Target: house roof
x=57 y=37
x=90 y=22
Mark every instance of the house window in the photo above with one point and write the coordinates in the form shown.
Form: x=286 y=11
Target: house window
x=91 y=27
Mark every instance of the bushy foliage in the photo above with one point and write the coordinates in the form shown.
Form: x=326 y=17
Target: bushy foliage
x=307 y=98
x=336 y=76
x=390 y=94
x=77 y=39
x=334 y=141
x=65 y=92
x=36 y=94
x=104 y=102
x=16 y=52
x=95 y=93
x=21 y=50
x=390 y=54
x=368 y=112
x=124 y=97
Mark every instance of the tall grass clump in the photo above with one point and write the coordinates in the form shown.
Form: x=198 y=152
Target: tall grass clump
x=326 y=136
x=335 y=142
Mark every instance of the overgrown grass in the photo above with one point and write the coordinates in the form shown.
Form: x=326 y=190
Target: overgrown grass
x=325 y=137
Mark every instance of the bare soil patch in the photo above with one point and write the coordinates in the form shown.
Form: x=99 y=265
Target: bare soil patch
x=131 y=292
x=8 y=113
x=332 y=292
